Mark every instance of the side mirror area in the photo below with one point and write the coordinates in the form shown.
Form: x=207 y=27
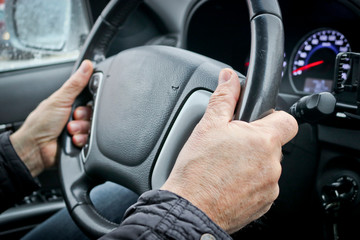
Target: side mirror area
x=46 y=26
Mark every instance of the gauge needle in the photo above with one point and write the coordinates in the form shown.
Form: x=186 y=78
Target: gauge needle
x=310 y=65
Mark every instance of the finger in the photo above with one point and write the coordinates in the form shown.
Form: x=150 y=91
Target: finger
x=83 y=113
x=223 y=101
x=280 y=124
x=80 y=140
x=78 y=127
x=75 y=84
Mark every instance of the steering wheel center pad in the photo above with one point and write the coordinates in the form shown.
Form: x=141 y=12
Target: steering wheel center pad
x=139 y=94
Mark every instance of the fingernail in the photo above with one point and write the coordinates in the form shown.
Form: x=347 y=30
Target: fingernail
x=80 y=114
x=79 y=140
x=225 y=75
x=74 y=127
x=84 y=67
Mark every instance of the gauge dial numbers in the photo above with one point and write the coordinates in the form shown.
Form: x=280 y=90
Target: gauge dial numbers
x=313 y=63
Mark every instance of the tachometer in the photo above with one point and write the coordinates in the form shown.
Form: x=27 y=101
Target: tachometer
x=313 y=63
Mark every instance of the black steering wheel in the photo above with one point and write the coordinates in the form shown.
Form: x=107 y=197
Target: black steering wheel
x=147 y=100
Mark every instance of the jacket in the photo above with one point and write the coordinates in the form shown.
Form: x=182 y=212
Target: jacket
x=15 y=179
x=164 y=215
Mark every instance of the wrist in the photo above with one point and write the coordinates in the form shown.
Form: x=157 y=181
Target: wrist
x=28 y=151
x=207 y=205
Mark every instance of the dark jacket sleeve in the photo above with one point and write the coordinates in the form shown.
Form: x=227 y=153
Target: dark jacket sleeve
x=164 y=215
x=15 y=179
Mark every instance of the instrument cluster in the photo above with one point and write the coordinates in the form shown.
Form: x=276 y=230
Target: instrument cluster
x=312 y=62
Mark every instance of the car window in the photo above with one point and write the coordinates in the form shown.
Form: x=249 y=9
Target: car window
x=41 y=32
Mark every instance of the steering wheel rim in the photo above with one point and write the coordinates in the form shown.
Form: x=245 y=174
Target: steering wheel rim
x=258 y=97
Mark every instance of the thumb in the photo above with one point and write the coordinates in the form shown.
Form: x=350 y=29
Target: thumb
x=75 y=84
x=223 y=101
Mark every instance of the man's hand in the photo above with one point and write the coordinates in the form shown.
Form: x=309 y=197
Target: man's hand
x=230 y=169
x=36 y=141
x=79 y=127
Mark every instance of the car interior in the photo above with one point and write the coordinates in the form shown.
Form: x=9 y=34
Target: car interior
x=319 y=85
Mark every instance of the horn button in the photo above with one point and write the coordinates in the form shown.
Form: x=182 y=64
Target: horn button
x=140 y=92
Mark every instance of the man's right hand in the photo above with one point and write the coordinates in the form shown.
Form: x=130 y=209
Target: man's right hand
x=228 y=168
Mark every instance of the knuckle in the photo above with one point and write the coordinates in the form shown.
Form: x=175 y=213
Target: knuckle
x=273 y=173
x=290 y=120
x=274 y=193
x=271 y=194
x=276 y=169
x=268 y=141
x=275 y=189
x=290 y=125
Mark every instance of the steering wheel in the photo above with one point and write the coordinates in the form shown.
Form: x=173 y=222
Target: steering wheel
x=148 y=99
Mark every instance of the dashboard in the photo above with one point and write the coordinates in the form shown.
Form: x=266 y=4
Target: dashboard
x=314 y=36
x=315 y=32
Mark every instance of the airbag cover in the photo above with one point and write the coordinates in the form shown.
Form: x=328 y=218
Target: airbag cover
x=137 y=98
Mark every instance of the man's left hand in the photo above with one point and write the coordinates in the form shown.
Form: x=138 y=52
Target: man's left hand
x=36 y=141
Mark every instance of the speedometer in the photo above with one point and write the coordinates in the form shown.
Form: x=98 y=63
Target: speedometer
x=313 y=62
